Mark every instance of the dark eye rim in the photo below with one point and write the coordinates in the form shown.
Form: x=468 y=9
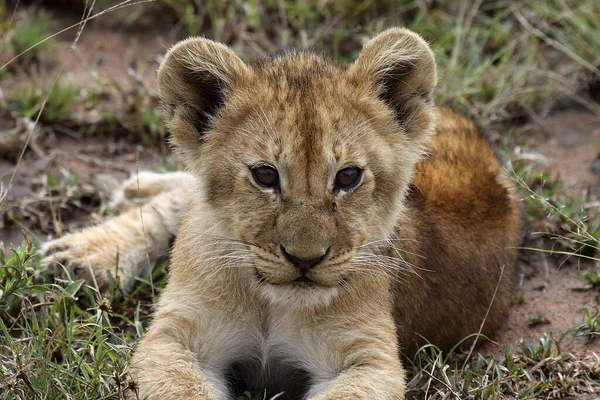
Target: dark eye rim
x=255 y=168
x=354 y=184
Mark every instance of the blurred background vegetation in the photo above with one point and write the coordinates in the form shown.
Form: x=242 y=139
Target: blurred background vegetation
x=77 y=99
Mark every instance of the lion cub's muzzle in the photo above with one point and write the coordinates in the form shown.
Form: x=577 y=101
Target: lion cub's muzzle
x=303 y=264
x=291 y=269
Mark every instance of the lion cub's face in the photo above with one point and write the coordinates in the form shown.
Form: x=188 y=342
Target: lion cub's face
x=304 y=161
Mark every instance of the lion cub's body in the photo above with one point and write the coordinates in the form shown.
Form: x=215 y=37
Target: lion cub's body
x=463 y=219
x=417 y=251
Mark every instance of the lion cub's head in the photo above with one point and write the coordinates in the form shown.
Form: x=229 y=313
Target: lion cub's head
x=305 y=160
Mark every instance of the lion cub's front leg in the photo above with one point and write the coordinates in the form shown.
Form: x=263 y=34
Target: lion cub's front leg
x=371 y=368
x=350 y=348
x=171 y=362
x=152 y=204
x=195 y=336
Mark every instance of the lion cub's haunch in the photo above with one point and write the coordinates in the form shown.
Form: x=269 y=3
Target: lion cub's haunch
x=329 y=223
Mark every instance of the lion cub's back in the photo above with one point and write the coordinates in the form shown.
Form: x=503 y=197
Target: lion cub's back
x=463 y=219
x=462 y=177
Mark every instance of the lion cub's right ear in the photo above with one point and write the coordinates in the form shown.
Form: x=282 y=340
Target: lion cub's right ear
x=194 y=80
x=401 y=68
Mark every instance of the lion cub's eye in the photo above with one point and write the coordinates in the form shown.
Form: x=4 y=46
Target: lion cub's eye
x=348 y=178
x=266 y=176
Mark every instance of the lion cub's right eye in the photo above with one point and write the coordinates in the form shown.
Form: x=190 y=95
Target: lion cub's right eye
x=266 y=176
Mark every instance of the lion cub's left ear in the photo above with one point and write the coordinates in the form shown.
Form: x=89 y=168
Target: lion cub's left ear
x=400 y=67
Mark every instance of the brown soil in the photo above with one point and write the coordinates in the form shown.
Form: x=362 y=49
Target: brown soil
x=560 y=295
x=568 y=143
x=93 y=165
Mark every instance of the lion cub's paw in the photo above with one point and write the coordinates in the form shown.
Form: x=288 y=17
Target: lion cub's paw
x=92 y=254
x=150 y=205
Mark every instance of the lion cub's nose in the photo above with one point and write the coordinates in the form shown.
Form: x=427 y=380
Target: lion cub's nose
x=303 y=263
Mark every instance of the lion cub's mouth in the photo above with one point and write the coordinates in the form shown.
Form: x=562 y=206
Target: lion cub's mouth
x=301 y=281
x=304 y=279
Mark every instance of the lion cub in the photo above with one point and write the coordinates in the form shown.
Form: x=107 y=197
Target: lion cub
x=327 y=224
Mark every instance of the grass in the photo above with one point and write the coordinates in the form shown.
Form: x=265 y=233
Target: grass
x=58 y=106
x=590 y=326
x=64 y=340
x=27 y=30
x=536 y=320
x=503 y=64
x=60 y=339
x=569 y=223
x=531 y=371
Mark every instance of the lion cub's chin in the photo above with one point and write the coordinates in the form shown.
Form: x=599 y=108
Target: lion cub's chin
x=299 y=295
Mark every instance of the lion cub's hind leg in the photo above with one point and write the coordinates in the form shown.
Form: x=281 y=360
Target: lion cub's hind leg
x=142 y=187
x=151 y=206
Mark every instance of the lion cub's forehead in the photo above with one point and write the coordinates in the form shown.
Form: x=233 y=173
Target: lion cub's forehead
x=300 y=70
x=302 y=100
x=304 y=80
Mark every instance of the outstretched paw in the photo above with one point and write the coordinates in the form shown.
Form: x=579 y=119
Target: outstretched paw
x=91 y=254
x=123 y=245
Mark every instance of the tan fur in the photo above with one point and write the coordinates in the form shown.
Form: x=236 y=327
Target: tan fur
x=151 y=207
x=414 y=253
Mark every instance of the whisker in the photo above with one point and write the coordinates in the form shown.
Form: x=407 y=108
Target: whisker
x=388 y=241
x=392 y=259
x=377 y=273
x=394 y=267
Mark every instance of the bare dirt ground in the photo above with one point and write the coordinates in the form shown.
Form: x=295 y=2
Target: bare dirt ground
x=568 y=143
x=113 y=60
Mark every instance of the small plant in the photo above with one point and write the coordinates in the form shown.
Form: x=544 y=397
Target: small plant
x=519 y=299
x=591 y=277
x=537 y=320
x=16 y=275
x=28 y=36
x=590 y=327
x=532 y=353
x=58 y=107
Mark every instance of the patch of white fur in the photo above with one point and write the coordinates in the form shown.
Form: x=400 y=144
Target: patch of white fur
x=300 y=345
x=320 y=388
x=299 y=297
x=217 y=384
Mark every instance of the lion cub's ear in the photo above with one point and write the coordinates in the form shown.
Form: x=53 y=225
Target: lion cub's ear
x=194 y=80
x=399 y=65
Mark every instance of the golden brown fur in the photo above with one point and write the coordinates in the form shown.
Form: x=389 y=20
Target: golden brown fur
x=417 y=251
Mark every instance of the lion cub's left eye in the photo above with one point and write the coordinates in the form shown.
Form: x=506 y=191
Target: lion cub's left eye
x=348 y=178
